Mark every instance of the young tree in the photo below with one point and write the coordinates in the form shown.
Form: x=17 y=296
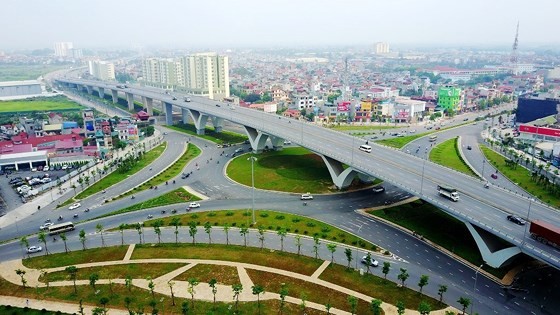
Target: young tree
x=237 y=288
x=423 y=282
x=424 y=308
x=73 y=270
x=171 y=284
x=64 y=238
x=316 y=244
x=283 y=293
x=184 y=308
x=82 y=236
x=303 y=303
x=348 y=253
x=127 y=301
x=45 y=275
x=122 y=227
x=128 y=282
x=192 y=231
x=332 y=249
x=25 y=243
x=157 y=229
x=353 y=301
x=208 y=230
x=99 y=229
x=400 y=307
x=297 y=240
x=367 y=261
x=42 y=236
x=328 y=307
x=226 y=230
x=442 y=289
x=151 y=286
x=403 y=276
x=375 y=306
x=138 y=228
x=193 y=282
x=21 y=273
x=93 y=278
x=282 y=233
x=175 y=221
x=153 y=305
x=258 y=290
x=214 y=288
x=81 y=308
x=244 y=231
x=386 y=268
x=261 y=235
x=465 y=302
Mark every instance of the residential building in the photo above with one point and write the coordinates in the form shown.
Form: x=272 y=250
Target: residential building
x=206 y=74
x=303 y=101
x=449 y=98
x=62 y=49
x=381 y=48
x=102 y=70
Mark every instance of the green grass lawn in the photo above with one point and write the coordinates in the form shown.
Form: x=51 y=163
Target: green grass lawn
x=25 y=311
x=294 y=170
x=178 y=195
x=115 y=177
x=26 y=72
x=76 y=257
x=521 y=176
x=116 y=272
x=210 y=134
x=39 y=104
x=226 y=275
x=446 y=154
x=270 y=220
x=438 y=227
x=399 y=142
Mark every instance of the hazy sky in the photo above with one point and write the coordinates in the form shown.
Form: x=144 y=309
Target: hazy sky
x=238 y=23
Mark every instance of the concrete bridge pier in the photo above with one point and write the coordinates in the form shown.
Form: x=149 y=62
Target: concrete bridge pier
x=89 y=89
x=130 y=100
x=218 y=123
x=342 y=178
x=199 y=120
x=185 y=115
x=168 y=113
x=257 y=139
x=101 y=92
x=149 y=104
x=492 y=248
x=277 y=143
x=115 y=95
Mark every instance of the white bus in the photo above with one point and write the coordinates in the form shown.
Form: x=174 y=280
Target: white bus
x=365 y=148
x=61 y=228
x=433 y=138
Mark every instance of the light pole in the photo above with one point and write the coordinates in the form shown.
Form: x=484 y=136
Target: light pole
x=475 y=278
x=253 y=159
x=483 y=163
x=527 y=224
x=356 y=258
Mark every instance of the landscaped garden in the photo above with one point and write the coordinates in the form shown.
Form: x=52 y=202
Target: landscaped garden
x=447 y=154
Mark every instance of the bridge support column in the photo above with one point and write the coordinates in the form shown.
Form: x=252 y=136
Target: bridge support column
x=199 y=120
x=115 y=95
x=185 y=115
x=168 y=113
x=491 y=247
x=149 y=104
x=277 y=143
x=130 y=100
x=257 y=139
x=101 y=92
x=89 y=89
x=218 y=123
x=342 y=178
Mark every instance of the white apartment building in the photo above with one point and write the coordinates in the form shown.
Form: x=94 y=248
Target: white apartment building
x=102 y=70
x=162 y=73
x=381 y=48
x=63 y=49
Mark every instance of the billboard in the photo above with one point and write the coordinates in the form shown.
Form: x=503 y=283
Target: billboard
x=540 y=130
x=90 y=125
x=532 y=109
x=343 y=107
x=402 y=113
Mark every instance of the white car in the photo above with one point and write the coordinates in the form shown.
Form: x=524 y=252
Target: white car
x=34 y=249
x=306 y=197
x=46 y=169
x=373 y=262
x=75 y=206
x=64 y=166
x=194 y=205
x=45 y=226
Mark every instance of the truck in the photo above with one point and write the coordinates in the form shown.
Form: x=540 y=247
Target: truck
x=545 y=233
x=448 y=192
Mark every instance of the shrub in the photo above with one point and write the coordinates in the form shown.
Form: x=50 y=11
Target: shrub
x=246 y=214
x=325 y=236
x=334 y=238
x=305 y=232
x=194 y=216
x=310 y=224
x=341 y=235
x=278 y=228
x=229 y=213
x=211 y=214
x=343 y=240
x=233 y=224
x=386 y=252
x=296 y=231
x=280 y=217
x=296 y=220
x=373 y=247
x=287 y=229
x=263 y=215
x=325 y=229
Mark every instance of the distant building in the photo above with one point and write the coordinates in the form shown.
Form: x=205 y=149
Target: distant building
x=449 y=97
x=381 y=48
x=102 y=70
x=20 y=88
x=62 y=49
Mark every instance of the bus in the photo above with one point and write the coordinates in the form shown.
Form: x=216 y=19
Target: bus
x=61 y=228
x=365 y=148
x=433 y=138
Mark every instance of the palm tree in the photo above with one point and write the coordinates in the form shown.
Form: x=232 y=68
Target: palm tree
x=212 y=285
x=226 y=230
x=23 y=241
x=208 y=230
x=386 y=268
x=192 y=282
x=243 y=231
x=82 y=236
x=93 y=279
x=138 y=228
x=297 y=239
x=258 y=290
x=64 y=238
x=316 y=244
x=465 y=302
x=283 y=293
x=22 y=273
x=122 y=227
x=332 y=249
x=157 y=229
x=237 y=288
x=42 y=236
x=282 y=233
x=403 y=276
x=175 y=221
x=171 y=284
x=73 y=270
x=442 y=289
x=261 y=235
x=348 y=253
x=99 y=229
x=423 y=282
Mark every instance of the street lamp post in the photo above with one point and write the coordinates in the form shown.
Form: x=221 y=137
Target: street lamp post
x=252 y=158
x=356 y=258
x=528 y=214
x=483 y=163
x=474 y=287
x=422 y=180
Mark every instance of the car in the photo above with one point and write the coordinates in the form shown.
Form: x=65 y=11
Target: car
x=75 y=206
x=372 y=262
x=239 y=150
x=34 y=249
x=287 y=142
x=307 y=196
x=45 y=226
x=466 y=119
x=469 y=147
x=64 y=167
x=218 y=105
x=187 y=99
x=378 y=189
x=412 y=131
x=46 y=169
x=516 y=219
x=194 y=205
x=438 y=128
x=34 y=169
x=165 y=133
x=174 y=98
x=494 y=176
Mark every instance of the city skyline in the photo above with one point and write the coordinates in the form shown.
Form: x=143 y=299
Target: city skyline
x=250 y=23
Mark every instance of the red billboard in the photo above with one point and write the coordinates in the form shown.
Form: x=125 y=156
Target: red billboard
x=343 y=107
x=540 y=130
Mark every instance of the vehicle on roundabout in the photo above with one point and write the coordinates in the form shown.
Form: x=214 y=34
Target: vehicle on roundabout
x=150 y=216
x=194 y=205
x=306 y=196
x=45 y=226
x=378 y=189
x=516 y=219
x=34 y=249
x=75 y=206
x=372 y=262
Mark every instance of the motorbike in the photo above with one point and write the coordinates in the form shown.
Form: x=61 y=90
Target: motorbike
x=173 y=211
x=87 y=210
x=75 y=215
x=60 y=218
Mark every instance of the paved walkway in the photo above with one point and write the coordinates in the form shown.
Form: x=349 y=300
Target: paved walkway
x=180 y=288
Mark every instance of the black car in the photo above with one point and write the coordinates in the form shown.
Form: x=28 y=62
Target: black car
x=516 y=219
x=217 y=105
x=469 y=147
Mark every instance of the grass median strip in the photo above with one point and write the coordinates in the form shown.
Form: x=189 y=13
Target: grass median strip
x=210 y=134
x=446 y=154
x=139 y=271
x=40 y=104
x=226 y=275
x=76 y=257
